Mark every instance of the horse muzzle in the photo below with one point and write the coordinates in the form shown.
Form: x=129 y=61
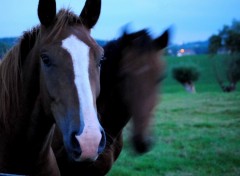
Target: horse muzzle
x=88 y=145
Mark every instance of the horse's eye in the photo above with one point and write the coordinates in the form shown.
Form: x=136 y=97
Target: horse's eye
x=45 y=59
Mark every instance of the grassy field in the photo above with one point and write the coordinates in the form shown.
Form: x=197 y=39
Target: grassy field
x=195 y=134
x=207 y=81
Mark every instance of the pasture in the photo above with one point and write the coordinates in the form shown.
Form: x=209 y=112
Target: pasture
x=195 y=134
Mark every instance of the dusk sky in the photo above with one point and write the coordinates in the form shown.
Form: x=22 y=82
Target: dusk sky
x=190 y=20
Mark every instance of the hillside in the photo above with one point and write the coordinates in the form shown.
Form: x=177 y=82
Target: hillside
x=9 y=40
x=196 y=48
x=6 y=44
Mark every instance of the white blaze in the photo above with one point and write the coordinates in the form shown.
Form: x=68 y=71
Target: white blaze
x=90 y=138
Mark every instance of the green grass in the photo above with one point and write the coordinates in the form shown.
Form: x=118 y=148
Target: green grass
x=195 y=134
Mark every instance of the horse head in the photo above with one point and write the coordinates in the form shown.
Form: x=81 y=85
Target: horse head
x=141 y=72
x=69 y=76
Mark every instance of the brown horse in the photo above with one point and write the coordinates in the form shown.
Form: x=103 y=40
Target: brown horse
x=51 y=76
x=130 y=75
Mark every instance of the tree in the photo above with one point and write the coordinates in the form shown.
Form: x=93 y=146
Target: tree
x=186 y=74
x=233 y=71
x=3 y=49
x=214 y=44
x=228 y=41
x=231 y=37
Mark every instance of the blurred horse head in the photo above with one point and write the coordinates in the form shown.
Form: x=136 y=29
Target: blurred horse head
x=130 y=77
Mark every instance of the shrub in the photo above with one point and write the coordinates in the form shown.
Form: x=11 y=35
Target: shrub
x=229 y=73
x=186 y=73
x=233 y=70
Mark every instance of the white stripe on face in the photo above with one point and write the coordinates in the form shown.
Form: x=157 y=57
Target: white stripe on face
x=90 y=138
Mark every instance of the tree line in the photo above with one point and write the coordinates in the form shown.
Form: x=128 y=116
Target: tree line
x=4 y=47
x=227 y=42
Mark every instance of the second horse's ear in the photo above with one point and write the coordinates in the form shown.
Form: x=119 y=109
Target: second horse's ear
x=162 y=41
x=47 y=12
x=90 y=13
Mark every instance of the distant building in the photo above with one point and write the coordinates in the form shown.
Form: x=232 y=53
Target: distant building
x=185 y=52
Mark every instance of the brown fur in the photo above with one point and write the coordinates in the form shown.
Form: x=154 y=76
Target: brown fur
x=26 y=120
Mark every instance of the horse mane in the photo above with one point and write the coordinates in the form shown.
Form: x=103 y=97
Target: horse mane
x=10 y=76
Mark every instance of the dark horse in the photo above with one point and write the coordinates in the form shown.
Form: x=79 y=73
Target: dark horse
x=130 y=75
x=51 y=76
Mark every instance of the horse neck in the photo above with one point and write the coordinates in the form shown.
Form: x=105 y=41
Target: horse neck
x=113 y=111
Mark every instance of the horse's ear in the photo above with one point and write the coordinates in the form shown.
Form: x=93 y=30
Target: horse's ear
x=90 y=13
x=47 y=12
x=137 y=34
x=129 y=38
x=162 y=41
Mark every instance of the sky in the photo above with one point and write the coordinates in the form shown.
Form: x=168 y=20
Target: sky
x=190 y=20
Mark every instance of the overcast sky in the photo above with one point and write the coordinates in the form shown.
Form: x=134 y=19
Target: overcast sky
x=192 y=20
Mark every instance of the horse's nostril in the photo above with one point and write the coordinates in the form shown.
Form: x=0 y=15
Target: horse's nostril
x=76 y=154
x=74 y=141
x=76 y=149
x=102 y=142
